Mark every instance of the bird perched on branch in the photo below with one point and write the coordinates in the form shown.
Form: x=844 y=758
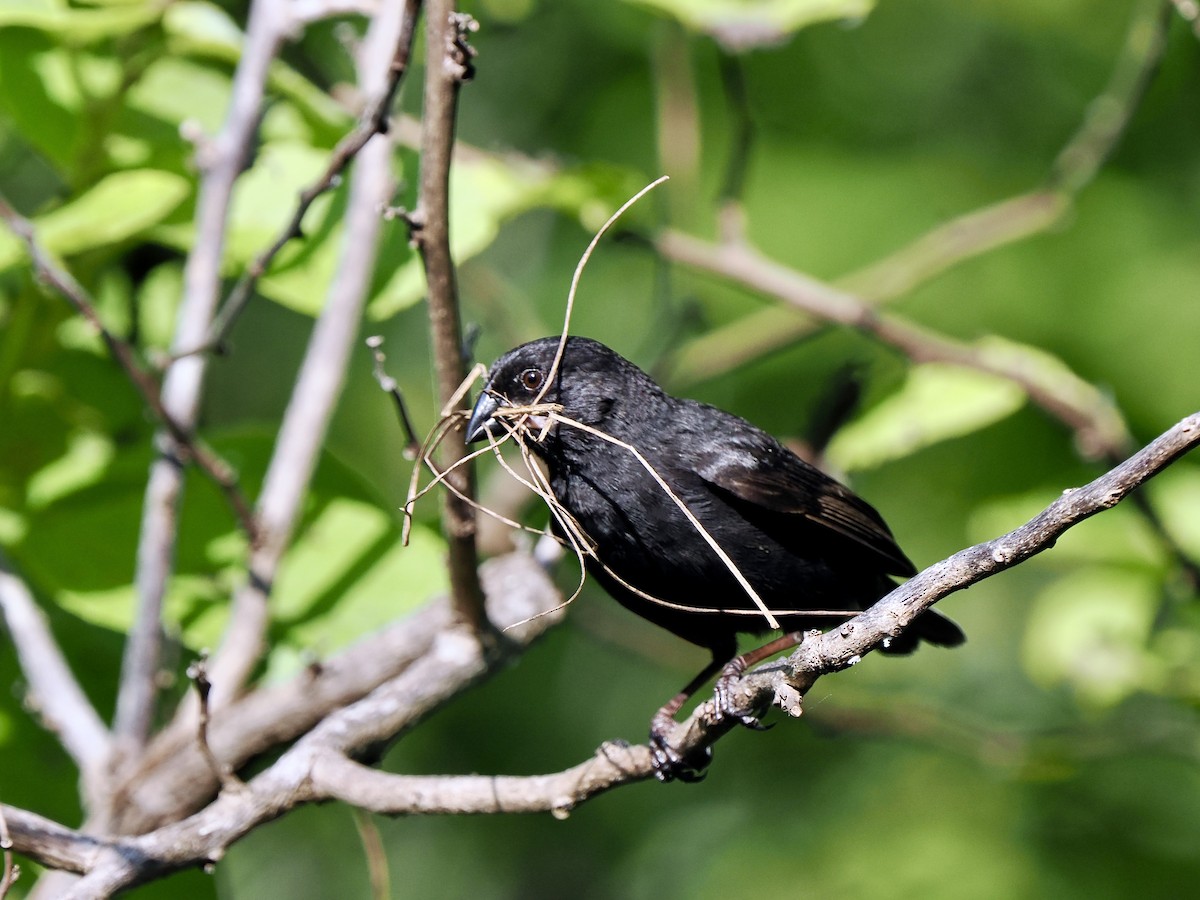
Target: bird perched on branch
x=690 y=516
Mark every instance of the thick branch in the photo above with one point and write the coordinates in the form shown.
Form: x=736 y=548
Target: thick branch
x=51 y=844
x=448 y=65
x=173 y=781
x=322 y=373
x=521 y=596
x=339 y=778
x=221 y=161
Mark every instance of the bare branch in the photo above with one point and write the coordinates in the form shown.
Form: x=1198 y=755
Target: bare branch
x=1098 y=425
x=51 y=844
x=967 y=236
x=518 y=590
x=316 y=767
x=448 y=67
x=54 y=692
x=173 y=779
x=222 y=161
x=614 y=764
x=322 y=372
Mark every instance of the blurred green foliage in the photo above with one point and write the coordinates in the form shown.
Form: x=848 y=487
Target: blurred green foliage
x=1056 y=754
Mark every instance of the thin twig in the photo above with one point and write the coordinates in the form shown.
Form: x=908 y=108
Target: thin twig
x=1108 y=116
x=54 y=691
x=1098 y=425
x=448 y=66
x=388 y=385
x=375 y=854
x=967 y=236
x=198 y=672
x=192 y=449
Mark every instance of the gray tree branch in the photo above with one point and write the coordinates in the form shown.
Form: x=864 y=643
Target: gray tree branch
x=520 y=596
x=221 y=161
x=320 y=766
x=322 y=372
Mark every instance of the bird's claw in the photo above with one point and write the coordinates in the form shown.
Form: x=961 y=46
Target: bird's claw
x=668 y=763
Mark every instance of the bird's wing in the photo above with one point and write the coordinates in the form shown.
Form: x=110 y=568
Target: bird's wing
x=771 y=485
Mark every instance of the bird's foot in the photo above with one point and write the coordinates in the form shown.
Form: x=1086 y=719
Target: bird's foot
x=668 y=763
x=724 y=704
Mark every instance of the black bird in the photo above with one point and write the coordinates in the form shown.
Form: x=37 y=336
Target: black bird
x=807 y=545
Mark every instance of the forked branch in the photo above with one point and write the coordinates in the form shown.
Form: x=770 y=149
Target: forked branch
x=320 y=766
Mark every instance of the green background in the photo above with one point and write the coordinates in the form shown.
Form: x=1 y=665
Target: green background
x=1054 y=755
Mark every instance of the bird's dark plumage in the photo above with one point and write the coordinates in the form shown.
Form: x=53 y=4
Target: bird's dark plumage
x=802 y=540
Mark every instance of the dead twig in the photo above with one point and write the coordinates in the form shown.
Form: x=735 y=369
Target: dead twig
x=198 y=672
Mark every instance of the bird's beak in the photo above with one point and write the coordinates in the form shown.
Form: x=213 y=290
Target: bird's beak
x=481 y=417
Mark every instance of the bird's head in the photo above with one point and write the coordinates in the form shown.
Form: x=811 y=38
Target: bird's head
x=591 y=384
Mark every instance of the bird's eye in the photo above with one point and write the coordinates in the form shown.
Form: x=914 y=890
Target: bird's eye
x=531 y=379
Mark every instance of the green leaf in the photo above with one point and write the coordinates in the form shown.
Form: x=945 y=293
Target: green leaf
x=263 y=203
x=157 y=304
x=1089 y=630
x=205 y=26
x=87 y=457
x=740 y=25
x=74 y=26
x=1177 y=498
x=205 y=30
x=117 y=208
x=347 y=575
x=176 y=89
x=936 y=402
